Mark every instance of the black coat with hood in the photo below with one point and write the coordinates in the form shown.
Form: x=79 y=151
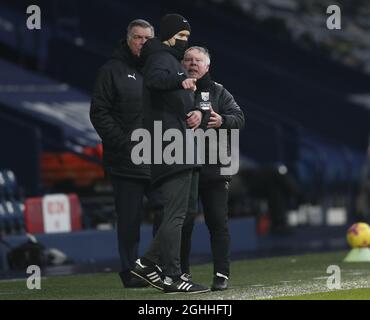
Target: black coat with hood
x=165 y=100
x=116 y=111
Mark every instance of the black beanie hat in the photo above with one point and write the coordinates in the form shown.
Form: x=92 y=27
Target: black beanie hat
x=172 y=24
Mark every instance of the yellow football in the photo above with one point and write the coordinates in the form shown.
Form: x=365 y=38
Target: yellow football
x=358 y=235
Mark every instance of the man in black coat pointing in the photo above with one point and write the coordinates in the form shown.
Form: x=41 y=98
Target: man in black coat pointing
x=169 y=101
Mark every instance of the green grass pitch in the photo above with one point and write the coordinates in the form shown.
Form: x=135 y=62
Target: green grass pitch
x=292 y=277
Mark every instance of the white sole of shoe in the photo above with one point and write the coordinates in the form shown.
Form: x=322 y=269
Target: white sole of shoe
x=187 y=292
x=150 y=282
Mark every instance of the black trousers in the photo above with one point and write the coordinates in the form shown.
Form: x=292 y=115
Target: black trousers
x=179 y=194
x=214 y=197
x=128 y=196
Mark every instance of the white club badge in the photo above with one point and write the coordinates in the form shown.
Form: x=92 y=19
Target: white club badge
x=204 y=96
x=205 y=104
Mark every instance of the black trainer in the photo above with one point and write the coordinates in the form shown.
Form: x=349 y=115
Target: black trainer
x=131 y=281
x=159 y=271
x=220 y=282
x=182 y=285
x=149 y=274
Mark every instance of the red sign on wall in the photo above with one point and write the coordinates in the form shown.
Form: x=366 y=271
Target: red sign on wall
x=53 y=214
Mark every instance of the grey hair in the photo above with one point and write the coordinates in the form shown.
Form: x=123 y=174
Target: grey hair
x=139 y=23
x=204 y=51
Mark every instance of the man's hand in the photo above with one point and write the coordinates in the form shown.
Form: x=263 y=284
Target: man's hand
x=194 y=119
x=189 y=84
x=215 y=121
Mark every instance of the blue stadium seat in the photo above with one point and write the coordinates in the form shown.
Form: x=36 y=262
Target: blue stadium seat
x=2 y=217
x=11 y=217
x=8 y=220
x=11 y=204
x=2 y=186
x=14 y=218
x=10 y=183
x=18 y=208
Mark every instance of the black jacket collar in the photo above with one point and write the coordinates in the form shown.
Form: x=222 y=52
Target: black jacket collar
x=123 y=52
x=204 y=83
x=154 y=45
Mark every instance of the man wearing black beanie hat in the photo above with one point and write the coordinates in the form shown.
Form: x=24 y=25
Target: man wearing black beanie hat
x=172 y=24
x=168 y=99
